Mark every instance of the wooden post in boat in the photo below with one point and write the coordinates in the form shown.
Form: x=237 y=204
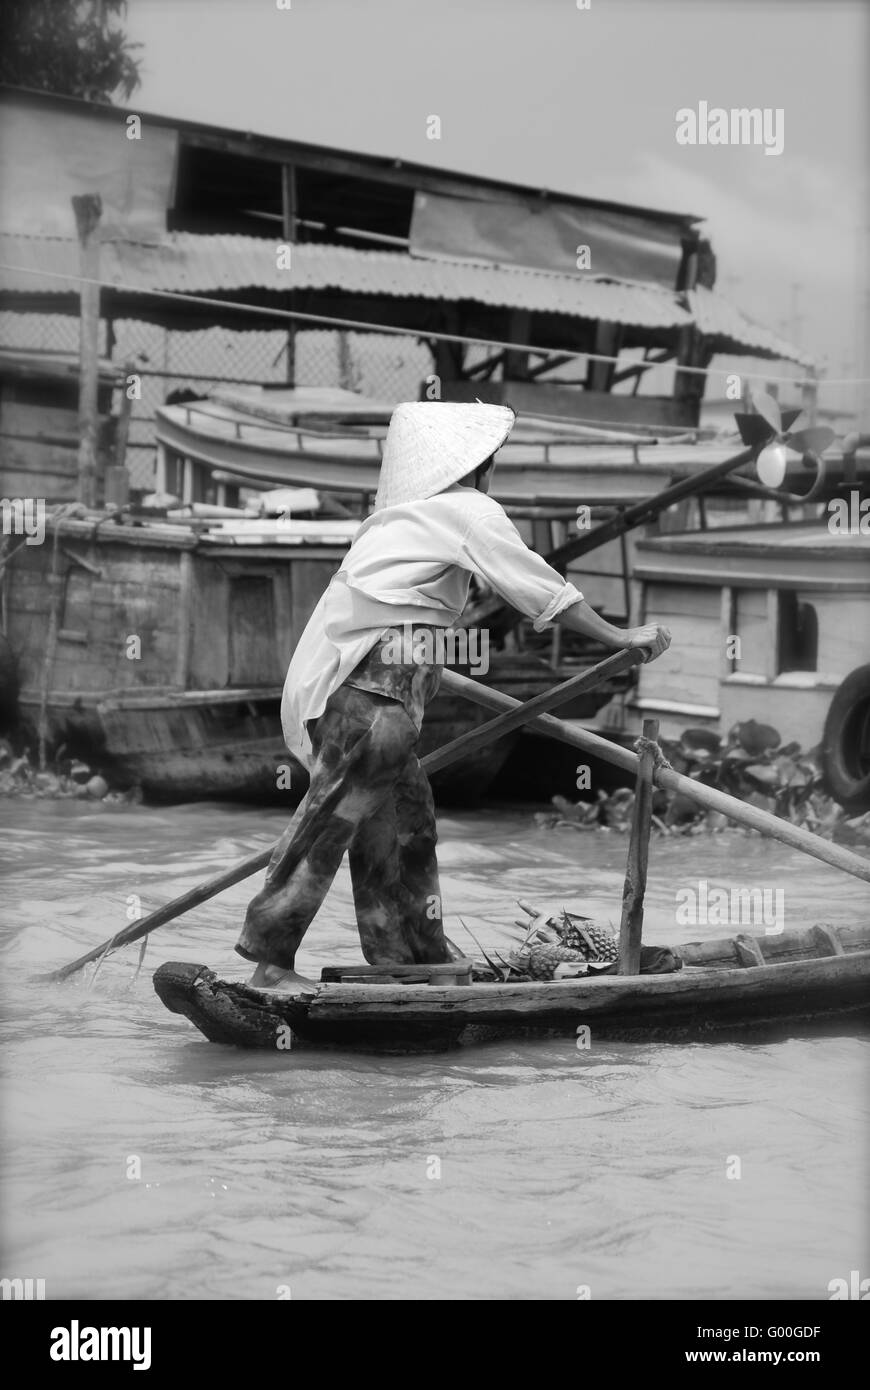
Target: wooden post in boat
x=631 y=926
x=88 y=208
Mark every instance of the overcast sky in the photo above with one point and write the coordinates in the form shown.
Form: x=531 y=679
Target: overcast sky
x=583 y=101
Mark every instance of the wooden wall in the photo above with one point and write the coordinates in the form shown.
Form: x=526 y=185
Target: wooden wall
x=696 y=670
x=96 y=614
x=247 y=616
x=844 y=639
x=797 y=713
x=202 y=623
x=39 y=448
x=689 y=674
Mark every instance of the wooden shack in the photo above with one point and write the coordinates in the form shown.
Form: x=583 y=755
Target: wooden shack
x=39 y=431
x=157 y=652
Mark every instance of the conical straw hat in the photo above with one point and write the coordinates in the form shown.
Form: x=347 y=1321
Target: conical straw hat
x=431 y=444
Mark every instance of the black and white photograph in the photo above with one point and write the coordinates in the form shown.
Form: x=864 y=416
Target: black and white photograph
x=434 y=672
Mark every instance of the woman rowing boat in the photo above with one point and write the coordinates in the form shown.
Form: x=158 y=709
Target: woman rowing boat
x=354 y=699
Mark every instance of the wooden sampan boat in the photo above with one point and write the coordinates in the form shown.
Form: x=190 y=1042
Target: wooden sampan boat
x=815 y=975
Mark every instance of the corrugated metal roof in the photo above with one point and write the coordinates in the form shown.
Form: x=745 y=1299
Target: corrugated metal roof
x=206 y=264
x=202 y=264
x=730 y=329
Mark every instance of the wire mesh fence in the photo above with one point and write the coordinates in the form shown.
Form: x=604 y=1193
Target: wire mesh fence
x=378 y=365
x=387 y=367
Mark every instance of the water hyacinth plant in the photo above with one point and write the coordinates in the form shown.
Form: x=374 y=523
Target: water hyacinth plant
x=751 y=763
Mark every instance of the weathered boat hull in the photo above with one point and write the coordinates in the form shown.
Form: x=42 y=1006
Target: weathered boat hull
x=156 y=653
x=178 y=748
x=700 y=1001
x=228 y=744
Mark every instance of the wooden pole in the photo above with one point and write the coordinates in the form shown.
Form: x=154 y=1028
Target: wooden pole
x=626 y=520
x=288 y=229
x=709 y=798
x=631 y=925
x=117 y=485
x=475 y=739
x=641 y=512
x=88 y=208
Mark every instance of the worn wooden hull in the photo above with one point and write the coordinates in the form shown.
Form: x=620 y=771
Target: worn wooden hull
x=228 y=744
x=196 y=714
x=219 y=745
x=791 y=985
x=157 y=653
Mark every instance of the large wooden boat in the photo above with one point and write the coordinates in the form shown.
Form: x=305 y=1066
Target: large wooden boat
x=332 y=440
x=815 y=975
x=140 y=649
x=157 y=653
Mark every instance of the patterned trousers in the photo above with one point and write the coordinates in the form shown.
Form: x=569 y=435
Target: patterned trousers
x=368 y=795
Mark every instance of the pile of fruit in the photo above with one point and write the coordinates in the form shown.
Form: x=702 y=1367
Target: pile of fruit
x=555 y=948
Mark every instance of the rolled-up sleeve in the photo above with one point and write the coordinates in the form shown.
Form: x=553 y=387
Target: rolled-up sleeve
x=493 y=548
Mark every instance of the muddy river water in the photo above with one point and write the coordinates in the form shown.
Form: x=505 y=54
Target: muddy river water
x=143 y=1163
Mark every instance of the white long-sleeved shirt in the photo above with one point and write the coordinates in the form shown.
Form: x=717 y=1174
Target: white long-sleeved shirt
x=412 y=563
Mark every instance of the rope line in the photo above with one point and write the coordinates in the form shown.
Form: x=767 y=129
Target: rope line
x=361 y=325
x=642 y=745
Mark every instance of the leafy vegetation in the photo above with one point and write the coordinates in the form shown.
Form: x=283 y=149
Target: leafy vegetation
x=751 y=763
x=75 y=48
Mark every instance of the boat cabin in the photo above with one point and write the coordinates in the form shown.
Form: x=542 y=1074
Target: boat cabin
x=767 y=623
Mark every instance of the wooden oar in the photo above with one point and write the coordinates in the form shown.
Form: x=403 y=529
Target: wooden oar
x=524 y=711
x=517 y=714
x=709 y=798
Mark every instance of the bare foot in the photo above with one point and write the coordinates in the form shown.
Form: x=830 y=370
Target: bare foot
x=280 y=981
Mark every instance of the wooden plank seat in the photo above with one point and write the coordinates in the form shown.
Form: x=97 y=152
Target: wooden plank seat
x=454 y=972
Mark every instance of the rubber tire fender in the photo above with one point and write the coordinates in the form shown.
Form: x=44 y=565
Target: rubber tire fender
x=846 y=743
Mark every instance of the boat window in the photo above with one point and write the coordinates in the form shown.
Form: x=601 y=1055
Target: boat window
x=798 y=636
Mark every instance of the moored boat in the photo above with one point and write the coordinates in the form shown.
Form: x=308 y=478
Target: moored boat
x=156 y=650
x=769 y=623
x=262 y=436
x=813 y=975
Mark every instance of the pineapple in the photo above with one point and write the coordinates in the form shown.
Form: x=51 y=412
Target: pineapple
x=552 y=941
x=540 y=961
x=603 y=943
